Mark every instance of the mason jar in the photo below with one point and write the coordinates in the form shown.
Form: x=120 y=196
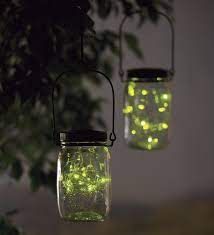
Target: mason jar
x=83 y=176
x=147 y=109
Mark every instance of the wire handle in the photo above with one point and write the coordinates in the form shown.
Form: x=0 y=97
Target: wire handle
x=121 y=70
x=112 y=136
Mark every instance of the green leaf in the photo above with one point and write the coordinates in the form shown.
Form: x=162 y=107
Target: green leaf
x=104 y=8
x=7 y=228
x=51 y=180
x=107 y=67
x=153 y=15
x=37 y=176
x=6 y=159
x=16 y=170
x=133 y=44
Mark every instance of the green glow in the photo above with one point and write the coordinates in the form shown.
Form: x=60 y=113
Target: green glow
x=160 y=127
x=84 y=183
x=128 y=109
x=149 y=146
x=144 y=92
x=166 y=105
x=159 y=79
x=131 y=91
x=153 y=142
x=85 y=216
x=133 y=132
x=76 y=176
x=83 y=177
x=141 y=106
x=165 y=126
x=165 y=96
x=157 y=99
x=137 y=121
x=148 y=122
x=162 y=109
x=132 y=84
x=145 y=125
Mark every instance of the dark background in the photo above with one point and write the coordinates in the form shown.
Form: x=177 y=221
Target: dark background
x=162 y=192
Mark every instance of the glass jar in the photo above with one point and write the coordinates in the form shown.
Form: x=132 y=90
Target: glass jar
x=83 y=176
x=147 y=109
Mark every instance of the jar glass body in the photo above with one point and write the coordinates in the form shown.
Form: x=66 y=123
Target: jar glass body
x=83 y=183
x=147 y=113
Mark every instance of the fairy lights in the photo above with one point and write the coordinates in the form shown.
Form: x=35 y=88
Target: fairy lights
x=83 y=174
x=133 y=132
x=144 y=92
x=131 y=89
x=141 y=106
x=128 y=109
x=162 y=109
x=80 y=177
x=147 y=114
x=150 y=139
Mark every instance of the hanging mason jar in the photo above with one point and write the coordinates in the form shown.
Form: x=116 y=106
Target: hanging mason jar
x=83 y=171
x=83 y=176
x=147 y=108
x=147 y=102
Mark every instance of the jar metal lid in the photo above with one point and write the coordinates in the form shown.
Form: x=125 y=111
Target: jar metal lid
x=149 y=75
x=84 y=136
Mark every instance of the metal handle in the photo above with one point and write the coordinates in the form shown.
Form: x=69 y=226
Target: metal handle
x=121 y=70
x=112 y=136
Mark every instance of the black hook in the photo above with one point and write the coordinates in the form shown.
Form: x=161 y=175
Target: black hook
x=112 y=136
x=121 y=71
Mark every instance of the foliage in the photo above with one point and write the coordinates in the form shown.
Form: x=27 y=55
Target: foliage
x=38 y=40
x=7 y=228
x=147 y=112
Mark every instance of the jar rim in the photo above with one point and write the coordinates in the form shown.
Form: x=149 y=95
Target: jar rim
x=149 y=75
x=83 y=144
x=82 y=137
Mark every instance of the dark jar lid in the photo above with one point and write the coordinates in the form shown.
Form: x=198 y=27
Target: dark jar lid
x=149 y=75
x=82 y=137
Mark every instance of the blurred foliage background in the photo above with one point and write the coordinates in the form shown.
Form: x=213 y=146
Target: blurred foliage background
x=38 y=40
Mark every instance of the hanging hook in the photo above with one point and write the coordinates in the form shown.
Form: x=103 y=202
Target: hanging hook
x=121 y=70
x=112 y=136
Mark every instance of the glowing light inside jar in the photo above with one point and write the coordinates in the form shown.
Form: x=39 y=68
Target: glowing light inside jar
x=147 y=112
